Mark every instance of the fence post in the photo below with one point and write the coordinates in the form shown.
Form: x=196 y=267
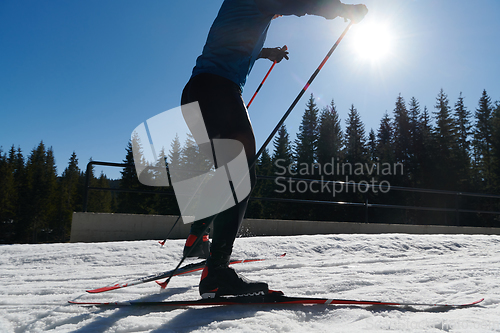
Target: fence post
x=366 y=208
x=86 y=187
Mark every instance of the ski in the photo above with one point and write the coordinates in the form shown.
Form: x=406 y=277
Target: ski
x=273 y=298
x=158 y=276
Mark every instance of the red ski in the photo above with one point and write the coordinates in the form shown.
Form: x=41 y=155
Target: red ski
x=273 y=298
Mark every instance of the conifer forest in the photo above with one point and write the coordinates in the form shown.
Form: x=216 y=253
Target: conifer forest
x=445 y=147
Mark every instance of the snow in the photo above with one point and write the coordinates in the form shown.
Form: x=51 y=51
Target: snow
x=36 y=281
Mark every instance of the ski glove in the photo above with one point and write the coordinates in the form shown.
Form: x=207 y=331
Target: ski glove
x=274 y=54
x=355 y=13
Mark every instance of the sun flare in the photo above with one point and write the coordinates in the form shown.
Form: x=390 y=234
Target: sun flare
x=372 y=41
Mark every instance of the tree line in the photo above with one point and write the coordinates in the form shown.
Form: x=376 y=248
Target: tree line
x=448 y=148
x=36 y=205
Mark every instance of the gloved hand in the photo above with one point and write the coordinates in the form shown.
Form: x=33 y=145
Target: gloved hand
x=274 y=54
x=355 y=13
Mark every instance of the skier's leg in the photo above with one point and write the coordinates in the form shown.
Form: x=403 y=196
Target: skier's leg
x=225 y=117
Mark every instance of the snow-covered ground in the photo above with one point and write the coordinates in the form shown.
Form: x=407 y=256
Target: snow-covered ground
x=36 y=281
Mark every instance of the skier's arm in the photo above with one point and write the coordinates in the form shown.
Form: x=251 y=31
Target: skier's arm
x=329 y=9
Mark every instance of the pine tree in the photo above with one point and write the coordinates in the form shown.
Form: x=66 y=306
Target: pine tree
x=192 y=159
x=265 y=164
x=428 y=156
x=425 y=125
x=160 y=171
x=166 y=204
x=463 y=132
x=416 y=151
x=21 y=217
x=355 y=154
x=330 y=138
x=282 y=156
x=7 y=193
x=372 y=146
x=414 y=115
x=263 y=187
x=495 y=143
x=444 y=130
x=355 y=150
x=384 y=153
x=175 y=154
x=306 y=144
x=264 y=168
x=69 y=197
x=282 y=161
x=483 y=141
x=41 y=200
x=385 y=150
x=401 y=133
x=129 y=202
x=8 y=197
x=330 y=146
x=446 y=145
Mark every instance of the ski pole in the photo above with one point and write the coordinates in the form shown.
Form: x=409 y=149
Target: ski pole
x=168 y=234
x=260 y=85
x=264 y=80
x=287 y=113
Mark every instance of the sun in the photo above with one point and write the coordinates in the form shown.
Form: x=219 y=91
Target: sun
x=372 y=41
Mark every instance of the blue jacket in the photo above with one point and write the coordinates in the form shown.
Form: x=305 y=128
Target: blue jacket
x=239 y=32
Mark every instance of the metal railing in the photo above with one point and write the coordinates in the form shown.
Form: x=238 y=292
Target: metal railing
x=366 y=204
x=87 y=186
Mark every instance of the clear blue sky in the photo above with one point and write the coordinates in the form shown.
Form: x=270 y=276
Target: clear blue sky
x=81 y=75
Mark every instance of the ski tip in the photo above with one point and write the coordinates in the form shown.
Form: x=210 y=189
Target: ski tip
x=161 y=243
x=100 y=290
x=474 y=303
x=284 y=254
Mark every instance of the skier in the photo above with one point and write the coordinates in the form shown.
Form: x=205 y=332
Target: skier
x=234 y=42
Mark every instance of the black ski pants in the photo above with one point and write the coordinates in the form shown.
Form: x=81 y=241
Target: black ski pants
x=226 y=117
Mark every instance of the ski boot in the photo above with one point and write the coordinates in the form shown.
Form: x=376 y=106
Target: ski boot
x=221 y=280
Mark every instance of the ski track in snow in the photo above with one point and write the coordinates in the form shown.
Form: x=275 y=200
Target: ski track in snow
x=36 y=281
